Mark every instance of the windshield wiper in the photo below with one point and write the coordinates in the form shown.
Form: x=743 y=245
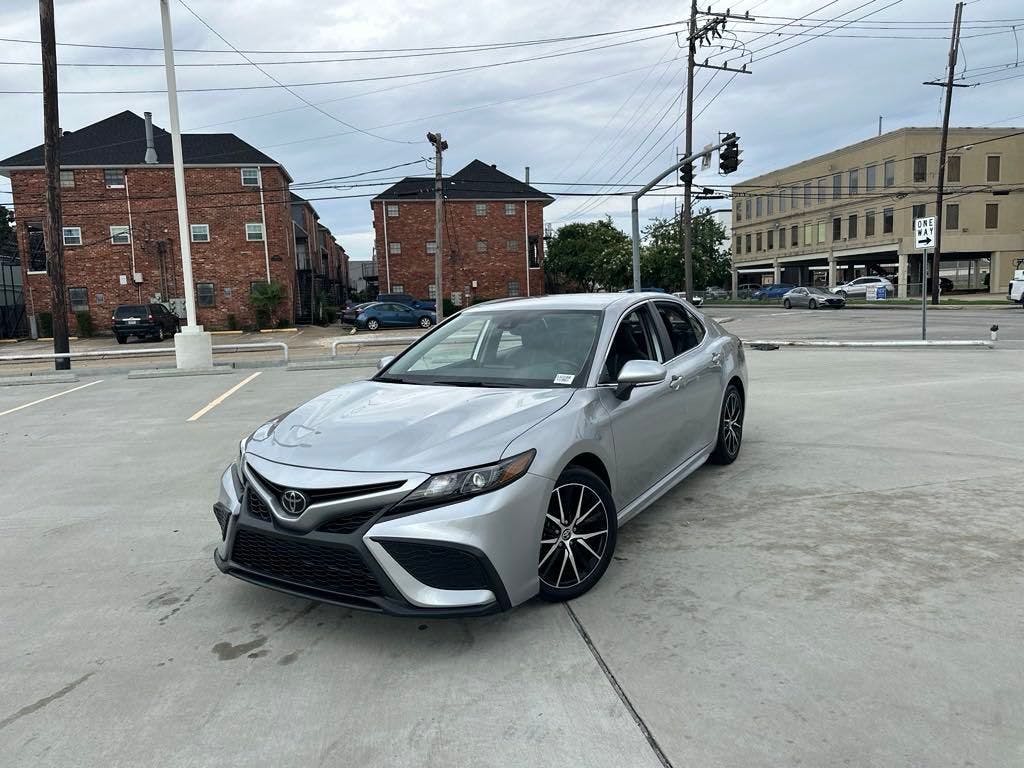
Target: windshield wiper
x=393 y=380
x=472 y=383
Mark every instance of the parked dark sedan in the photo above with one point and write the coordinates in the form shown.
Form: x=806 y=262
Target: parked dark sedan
x=144 y=321
x=408 y=300
x=773 y=291
x=391 y=315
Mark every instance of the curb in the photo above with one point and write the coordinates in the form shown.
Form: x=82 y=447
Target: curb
x=38 y=378
x=776 y=343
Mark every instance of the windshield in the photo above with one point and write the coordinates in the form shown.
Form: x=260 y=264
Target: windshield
x=503 y=348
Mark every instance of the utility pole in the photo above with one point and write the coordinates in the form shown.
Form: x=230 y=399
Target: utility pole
x=704 y=34
x=53 y=232
x=440 y=145
x=954 y=45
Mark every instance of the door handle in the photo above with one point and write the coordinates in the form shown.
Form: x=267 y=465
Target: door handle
x=676 y=382
x=716 y=360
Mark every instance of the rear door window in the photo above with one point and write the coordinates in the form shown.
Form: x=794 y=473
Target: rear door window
x=131 y=310
x=684 y=331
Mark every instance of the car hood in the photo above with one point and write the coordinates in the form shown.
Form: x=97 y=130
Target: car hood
x=371 y=426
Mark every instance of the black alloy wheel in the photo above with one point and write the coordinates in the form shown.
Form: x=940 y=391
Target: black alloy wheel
x=730 y=427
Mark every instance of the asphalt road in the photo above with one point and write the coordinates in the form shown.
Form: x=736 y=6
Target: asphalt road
x=847 y=593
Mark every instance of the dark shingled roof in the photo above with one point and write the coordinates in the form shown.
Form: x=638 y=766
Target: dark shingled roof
x=120 y=140
x=477 y=181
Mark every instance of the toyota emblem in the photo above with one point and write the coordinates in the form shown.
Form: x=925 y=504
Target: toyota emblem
x=294 y=502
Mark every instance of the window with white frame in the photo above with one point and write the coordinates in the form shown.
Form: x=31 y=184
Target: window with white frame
x=250 y=177
x=72 y=235
x=392 y=209
x=431 y=246
x=480 y=209
x=113 y=178
x=120 y=235
x=510 y=209
x=513 y=288
x=200 y=233
x=254 y=231
x=398 y=288
x=432 y=291
x=67 y=179
x=394 y=248
x=481 y=246
x=78 y=298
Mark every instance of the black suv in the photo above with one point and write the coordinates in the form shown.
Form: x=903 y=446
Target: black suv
x=144 y=321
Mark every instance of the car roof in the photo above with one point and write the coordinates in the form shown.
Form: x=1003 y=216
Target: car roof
x=573 y=301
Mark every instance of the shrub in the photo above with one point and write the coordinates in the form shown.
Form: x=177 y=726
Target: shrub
x=46 y=324
x=283 y=322
x=264 y=299
x=232 y=323
x=85 y=326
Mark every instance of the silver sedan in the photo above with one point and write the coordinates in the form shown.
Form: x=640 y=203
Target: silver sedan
x=491 y=461
x=812 y=298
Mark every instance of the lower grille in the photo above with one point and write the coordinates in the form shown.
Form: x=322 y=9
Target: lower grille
x=439 y=567
x=223 y=515
x=329 y=569
x=257 y=507
x=350 y=523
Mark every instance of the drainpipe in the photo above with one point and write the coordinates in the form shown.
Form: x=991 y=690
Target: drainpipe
x=263 y=219
x=150 y=147
x=387 y=247
x=131 y=231
x=526 y=237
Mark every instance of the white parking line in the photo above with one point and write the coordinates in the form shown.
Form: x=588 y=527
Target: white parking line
x=217 y=401
x=44 y=399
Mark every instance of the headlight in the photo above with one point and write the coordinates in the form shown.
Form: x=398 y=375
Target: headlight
x=464 y=483
x=240 y=461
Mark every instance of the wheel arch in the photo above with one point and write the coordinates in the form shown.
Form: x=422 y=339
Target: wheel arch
x=593 y=463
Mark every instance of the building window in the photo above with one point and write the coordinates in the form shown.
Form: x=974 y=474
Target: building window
x=794 y=236
x=480 y=209
x=511 y=246
x=250 y=177
x=739 y=244
x=67 y=179
x=739 y=211
x=78 y=298
x=991 y=215
x=746 y=245
x=254 y=231
x=837 y=229
x=431 y=247
x=513 y=288
x=890 y=173
x=917 y=212
x=920 y=168
x=807 y=195
x=200 y=233
x=854 y=182
x=206 y=296
x=760 y=212
x=749 y=205
x=837 y=186
x=782 y=201
x=952 y=216
x=481 y=246
x=887 y=221
x=821 y=190
x=808 y=234
x=113 y=178
x=771 y=239
x=392 y=210
x=771 y=201
x=432 y=291
x=992 y=168
x=851 y=227
x=870 y=180
x=533 y=252
x=120 y=235
x=869 y=224
x=397 y=288
x=757 y=239
x=782 y=237
x=821 y=231
x=510 y=210
x=793 y=198
x=953 y=168
x=72 y=235
x=394 y=248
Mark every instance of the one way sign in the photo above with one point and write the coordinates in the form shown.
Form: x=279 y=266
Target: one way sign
x=924 y=232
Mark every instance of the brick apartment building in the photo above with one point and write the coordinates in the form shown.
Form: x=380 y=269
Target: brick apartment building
x=121 y=231
x=493 y=236
x=321 y=264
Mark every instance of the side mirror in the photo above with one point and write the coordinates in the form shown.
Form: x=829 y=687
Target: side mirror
x=638 y=373
x=384 y=362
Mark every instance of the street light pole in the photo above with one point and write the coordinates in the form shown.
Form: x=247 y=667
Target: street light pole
x=192 y=347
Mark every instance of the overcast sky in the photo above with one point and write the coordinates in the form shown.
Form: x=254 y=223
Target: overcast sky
x=606 y=115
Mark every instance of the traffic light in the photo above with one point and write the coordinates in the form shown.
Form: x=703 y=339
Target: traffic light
x=686 y=174
x=729 y=155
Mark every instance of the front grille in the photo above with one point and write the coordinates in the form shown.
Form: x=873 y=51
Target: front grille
x=257 y=507
x=349 y=523
x=223 y=515
x=316 y=495
x=439 y=567
x=329 y=569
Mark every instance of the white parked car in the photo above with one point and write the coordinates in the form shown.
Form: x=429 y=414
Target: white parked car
x=859 y=287
x=697 y=301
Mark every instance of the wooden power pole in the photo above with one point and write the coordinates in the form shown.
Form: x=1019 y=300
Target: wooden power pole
x=440 y=145
x=53 y=232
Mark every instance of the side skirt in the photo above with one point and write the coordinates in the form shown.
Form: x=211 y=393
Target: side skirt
x=664 y=485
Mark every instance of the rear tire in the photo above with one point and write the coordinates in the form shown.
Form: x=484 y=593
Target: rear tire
x=160 y=335
x=843 y=294
x=730 y=427
x=121 y=339
x=578 y=537
x=787 y=304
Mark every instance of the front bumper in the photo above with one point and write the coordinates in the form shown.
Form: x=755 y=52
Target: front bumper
x=473 y=557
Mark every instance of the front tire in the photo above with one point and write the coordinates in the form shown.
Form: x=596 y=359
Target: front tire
x=579 y=535
x=425 y=322
x=730 y=427
x=787 y=304
x=812 y=304
x=372 y=325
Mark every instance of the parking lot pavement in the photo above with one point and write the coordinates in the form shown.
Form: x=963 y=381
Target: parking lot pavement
x=846 y=593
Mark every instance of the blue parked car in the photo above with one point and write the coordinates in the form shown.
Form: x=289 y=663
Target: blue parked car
x=408 y=300
x=773 y=291
x=393 y=315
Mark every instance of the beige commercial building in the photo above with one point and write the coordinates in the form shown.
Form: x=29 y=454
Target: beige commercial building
x=851 y=212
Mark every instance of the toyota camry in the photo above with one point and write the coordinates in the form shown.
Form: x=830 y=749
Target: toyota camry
x=491 y=461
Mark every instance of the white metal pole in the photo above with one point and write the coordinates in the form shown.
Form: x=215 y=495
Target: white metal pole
x=179 y=170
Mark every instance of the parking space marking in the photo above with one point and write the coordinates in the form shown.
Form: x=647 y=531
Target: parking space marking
x=50 y=397
x=217 y=401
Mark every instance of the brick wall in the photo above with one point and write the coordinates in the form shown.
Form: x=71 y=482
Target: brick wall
x=502 y=262
x=215 y=197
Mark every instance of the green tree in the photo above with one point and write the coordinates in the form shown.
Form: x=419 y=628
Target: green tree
x=589 y=256
x=661 y=263
x=8 y=238
x=264 y=299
